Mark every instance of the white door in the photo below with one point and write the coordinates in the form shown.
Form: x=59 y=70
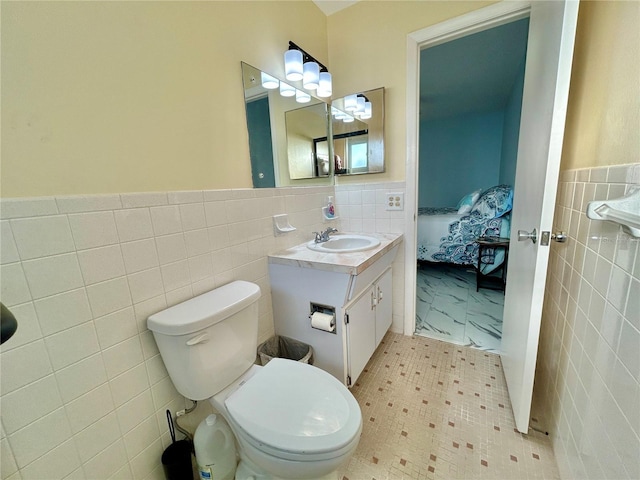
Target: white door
x=549 y=54
x=546 y=90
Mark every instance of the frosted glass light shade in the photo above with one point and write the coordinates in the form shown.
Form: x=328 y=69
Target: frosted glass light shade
x=338 y=114
x=293 y=65
x=350 y=103
x=302 y=97
x=348 y=119
x=287 y=90
x=325 y=88
x=367 y=111
x=268 y=81
x=360 y=107
x=311 y=75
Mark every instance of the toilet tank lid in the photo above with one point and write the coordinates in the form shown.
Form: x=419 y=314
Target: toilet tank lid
x=204 y=310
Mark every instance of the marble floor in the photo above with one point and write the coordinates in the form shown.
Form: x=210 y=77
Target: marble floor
x=436 y=411
x=449 y=308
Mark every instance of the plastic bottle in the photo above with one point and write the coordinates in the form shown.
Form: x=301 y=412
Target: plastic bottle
x=331 y=210
x=215 y=449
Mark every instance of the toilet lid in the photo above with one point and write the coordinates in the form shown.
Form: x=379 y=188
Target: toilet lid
x=294 y=407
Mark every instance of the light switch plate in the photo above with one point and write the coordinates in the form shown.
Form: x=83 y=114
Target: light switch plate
x=394 y=201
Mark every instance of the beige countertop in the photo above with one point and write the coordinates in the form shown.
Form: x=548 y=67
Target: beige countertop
x=352 y=263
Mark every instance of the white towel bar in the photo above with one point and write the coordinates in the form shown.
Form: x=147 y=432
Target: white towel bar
x=624 y=210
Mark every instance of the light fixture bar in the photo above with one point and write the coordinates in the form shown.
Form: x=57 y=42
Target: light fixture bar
x=306 y=57
x=300 y=65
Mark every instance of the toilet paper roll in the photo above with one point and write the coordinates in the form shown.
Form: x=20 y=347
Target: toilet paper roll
x=323 y=321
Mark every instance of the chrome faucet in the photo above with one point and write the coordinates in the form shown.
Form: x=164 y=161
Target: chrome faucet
x=324 y=236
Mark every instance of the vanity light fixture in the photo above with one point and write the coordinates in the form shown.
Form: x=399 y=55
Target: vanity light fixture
x=287 y=90
x=348 y=119
x=299 y=65
x=310 y=75
x=302 y=97
x=338 y=114
x=351 y=103
x=324 y=87
x=367 y=111
x=293 y=64
x=268 y=81
x=363 y=109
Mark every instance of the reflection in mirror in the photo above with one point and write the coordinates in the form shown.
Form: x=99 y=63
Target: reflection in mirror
x=307 y=157
x=283 y=132
x=358 y=134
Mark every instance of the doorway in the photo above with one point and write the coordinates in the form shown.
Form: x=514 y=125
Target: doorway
x=470 y=102
x=552 y=31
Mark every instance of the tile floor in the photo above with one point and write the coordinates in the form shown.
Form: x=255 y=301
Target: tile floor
x=433 y=410
x=449 y=308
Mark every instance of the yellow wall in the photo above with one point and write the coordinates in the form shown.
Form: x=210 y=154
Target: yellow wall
x=367 y=50
x=603 y=118
x=105 y=97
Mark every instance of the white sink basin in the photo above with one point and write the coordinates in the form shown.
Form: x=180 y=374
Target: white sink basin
x=345 y=244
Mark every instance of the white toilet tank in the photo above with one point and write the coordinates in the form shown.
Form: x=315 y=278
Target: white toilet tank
x=210 y=340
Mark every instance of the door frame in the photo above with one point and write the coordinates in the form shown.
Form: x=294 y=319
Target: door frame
x=472 y=22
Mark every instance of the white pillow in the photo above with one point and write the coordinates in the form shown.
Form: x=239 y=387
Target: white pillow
x=467 y=202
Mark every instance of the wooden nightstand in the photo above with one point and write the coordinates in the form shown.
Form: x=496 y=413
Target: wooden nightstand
x=492 y=280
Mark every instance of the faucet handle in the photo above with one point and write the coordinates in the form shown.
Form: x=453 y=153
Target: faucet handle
x=318 y=236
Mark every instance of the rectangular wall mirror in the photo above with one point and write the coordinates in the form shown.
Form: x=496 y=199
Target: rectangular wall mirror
x=284 y=133
x=293 y=143
x=358 y=133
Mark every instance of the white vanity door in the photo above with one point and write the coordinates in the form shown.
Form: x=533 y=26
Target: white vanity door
x=361 y=332
x=384 y=304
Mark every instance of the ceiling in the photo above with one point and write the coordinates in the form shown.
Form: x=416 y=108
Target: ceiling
x=475 y=73
x=333 y=6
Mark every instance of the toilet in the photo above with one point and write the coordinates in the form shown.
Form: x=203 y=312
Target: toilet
x=291 y=420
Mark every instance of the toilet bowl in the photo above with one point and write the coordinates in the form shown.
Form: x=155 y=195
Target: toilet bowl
x=291 y=420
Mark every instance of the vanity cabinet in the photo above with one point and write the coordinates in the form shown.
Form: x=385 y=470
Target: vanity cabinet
x=368 y=318
x=360 y=296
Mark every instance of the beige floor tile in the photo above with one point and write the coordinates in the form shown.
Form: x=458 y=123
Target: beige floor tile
x=433 y=410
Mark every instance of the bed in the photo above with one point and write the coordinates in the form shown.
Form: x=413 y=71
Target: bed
x=448 y=234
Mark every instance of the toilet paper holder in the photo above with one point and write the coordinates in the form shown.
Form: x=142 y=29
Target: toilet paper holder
x=326 y=310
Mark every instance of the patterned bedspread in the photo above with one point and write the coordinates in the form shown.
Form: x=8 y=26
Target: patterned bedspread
x=444 y=236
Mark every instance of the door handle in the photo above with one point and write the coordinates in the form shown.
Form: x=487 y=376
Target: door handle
x=204 y=338
x=559 y=237
x=523 y=235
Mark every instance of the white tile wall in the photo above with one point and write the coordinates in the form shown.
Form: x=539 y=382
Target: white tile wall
x=84 y=390
x=587 y=388
x=361 y=208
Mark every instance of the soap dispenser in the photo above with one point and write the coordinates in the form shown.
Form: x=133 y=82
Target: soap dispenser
x=331 y=210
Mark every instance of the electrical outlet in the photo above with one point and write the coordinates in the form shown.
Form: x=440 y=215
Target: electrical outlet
x=395 y=201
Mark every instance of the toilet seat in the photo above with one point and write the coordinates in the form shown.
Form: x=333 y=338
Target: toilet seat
x=295 y=411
